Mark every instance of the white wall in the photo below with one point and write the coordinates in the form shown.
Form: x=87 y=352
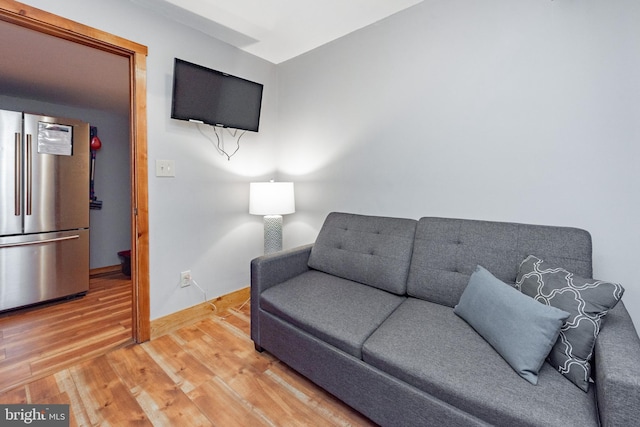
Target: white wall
x=199 y=220
x=522 y=111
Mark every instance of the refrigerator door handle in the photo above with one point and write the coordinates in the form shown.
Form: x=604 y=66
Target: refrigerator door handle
x=17 y=175
x=29 y=183
x=39 y=242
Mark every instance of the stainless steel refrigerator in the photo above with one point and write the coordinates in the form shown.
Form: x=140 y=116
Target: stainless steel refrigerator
x=44 y=208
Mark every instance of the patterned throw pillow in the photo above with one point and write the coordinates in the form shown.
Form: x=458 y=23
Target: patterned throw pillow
x=587 y=300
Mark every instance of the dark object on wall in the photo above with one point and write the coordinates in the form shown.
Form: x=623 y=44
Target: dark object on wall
x=95 y=144
x=203 y=95
x=125 y=262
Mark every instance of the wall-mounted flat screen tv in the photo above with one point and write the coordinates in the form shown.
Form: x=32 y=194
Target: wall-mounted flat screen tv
x=209 y=96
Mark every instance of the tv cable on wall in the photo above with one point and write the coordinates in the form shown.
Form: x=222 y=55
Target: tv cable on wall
x=220 y=139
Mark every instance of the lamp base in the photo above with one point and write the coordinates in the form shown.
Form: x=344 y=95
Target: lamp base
x=272 y=233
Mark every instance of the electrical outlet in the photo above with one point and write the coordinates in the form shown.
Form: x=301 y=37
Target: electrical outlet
x=185 y=278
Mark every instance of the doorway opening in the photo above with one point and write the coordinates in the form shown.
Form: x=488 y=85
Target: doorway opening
x=53 y=25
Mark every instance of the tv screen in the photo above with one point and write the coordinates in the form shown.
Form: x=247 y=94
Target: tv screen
x=213 y=97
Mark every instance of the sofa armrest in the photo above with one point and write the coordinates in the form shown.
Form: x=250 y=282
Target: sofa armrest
x=269 y=270
x=617 y=369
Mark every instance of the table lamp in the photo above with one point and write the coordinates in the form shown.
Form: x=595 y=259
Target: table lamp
x=271 y=199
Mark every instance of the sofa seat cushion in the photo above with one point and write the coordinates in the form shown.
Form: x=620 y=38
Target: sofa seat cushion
x=429 y=347
x=340 y=312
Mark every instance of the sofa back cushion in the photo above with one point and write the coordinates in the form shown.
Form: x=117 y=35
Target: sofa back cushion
x=375 y=251
x=447 y=251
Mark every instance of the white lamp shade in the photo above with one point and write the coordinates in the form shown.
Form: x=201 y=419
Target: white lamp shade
x=271 y=198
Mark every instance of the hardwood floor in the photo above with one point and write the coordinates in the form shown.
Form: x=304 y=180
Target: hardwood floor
x=204 y=374
x=38 y=341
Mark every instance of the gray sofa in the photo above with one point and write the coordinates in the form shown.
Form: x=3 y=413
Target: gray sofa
x=367 y=313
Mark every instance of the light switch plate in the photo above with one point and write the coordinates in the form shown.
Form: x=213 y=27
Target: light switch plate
x=165 y=168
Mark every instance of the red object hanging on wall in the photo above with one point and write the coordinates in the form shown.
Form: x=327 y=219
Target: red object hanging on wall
x=96 y=144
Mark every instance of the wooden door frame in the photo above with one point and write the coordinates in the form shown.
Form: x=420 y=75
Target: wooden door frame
x=47 y=23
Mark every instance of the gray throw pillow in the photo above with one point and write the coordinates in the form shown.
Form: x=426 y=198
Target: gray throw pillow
x=520 y=329
x=587 y=301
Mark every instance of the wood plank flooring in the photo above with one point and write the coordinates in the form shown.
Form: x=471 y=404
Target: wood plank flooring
x=204 y=374
x=38 y=341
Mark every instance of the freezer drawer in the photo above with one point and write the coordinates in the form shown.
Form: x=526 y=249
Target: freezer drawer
x=41 y=267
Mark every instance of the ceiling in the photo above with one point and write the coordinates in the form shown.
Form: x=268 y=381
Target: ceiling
x=50 y=69
x=43 y=67
x=277 y=30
